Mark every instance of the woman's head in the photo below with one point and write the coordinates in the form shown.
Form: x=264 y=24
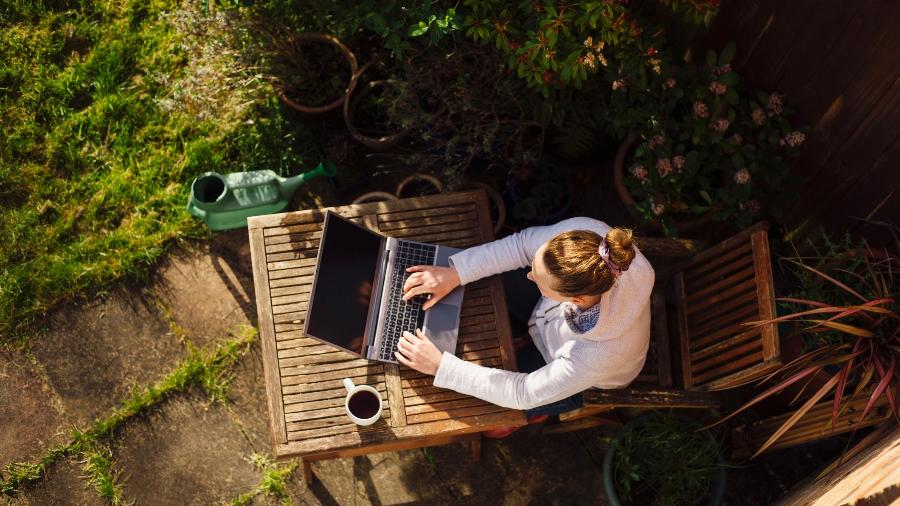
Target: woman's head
x=571 y=265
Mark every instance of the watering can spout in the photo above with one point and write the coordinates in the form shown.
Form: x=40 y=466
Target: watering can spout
x=325 y=168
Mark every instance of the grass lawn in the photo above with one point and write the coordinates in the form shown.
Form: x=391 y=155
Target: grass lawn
x=109 y=110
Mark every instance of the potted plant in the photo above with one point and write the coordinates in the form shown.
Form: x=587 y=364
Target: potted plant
x=662 y=459
x=697 y=147
x=314 y=71
x=370 y=113
x=846 y=307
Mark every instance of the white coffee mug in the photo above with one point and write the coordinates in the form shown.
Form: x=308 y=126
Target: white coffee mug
x=363 y=403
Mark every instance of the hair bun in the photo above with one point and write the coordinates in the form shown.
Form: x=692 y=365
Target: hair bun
x=621 y=247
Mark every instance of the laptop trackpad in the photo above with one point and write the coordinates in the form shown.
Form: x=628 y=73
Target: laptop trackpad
x=442 y=326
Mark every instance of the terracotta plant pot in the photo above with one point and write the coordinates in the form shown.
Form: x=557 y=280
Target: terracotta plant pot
x=622 y=156
x=376 y=196
x=311 y=39
x=430 y=180
x=377 y=142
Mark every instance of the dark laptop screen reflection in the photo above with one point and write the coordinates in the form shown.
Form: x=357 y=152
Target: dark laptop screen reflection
x=344 y=285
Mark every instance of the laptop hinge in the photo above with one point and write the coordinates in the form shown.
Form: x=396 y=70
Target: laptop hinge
x=384 y=259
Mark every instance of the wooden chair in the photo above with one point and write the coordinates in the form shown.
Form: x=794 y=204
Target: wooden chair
x=716 y=290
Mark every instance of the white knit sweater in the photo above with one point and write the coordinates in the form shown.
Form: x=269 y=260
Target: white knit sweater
x=610 y=355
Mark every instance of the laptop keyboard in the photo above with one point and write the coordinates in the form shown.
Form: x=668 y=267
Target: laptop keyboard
x=403 y=316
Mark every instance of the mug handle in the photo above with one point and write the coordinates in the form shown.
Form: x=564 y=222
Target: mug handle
x=348 y=384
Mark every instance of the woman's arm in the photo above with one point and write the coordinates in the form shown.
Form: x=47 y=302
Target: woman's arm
x=561 y=378
x=557 y=380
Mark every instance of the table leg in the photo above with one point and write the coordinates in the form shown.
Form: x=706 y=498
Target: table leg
x=308 y=475
x=476 y=448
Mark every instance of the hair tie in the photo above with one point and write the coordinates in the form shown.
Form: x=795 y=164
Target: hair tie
x=604 y=255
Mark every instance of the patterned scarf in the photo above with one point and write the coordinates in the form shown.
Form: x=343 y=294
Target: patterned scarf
x=581 y=321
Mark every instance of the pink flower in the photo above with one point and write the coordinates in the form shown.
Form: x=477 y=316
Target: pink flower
x=737 y=139
x=670 y=83
x=619 y=84
x=657 y=208
x=639 y=173
x=663 y=167
x=742 y=176
x=721 y=69
x=678 y=162
x=775 y=103
x=657 y=140
x=793 y=139
x=700 y=109
x=759 y=116
x=718 y=88
x=751 y=206
x=719 y=125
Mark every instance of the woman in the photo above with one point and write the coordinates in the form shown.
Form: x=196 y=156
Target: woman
x=590 y=327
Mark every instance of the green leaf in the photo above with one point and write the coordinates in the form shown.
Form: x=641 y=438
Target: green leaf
x=731 y=97
x=417 y=30
x=706 y=197
x=729 y=78
x=711 y=58
x=738 y=161
x=727 y=53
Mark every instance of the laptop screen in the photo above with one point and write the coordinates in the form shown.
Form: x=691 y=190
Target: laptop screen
x=339 y=304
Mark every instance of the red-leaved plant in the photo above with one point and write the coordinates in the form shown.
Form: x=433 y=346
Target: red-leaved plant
x=849 y=316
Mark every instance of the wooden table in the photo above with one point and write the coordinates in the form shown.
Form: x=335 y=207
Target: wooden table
x=303 y=376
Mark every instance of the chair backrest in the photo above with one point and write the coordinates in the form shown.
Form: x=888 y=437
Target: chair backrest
x=716 y=292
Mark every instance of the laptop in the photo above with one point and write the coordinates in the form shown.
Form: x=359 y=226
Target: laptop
x=355 y=302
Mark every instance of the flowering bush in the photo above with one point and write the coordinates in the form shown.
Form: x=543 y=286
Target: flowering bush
x=554 y=43
x=704 y=146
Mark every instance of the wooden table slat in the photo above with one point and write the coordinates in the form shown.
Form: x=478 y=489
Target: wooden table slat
x=296 y=385
x=337 y=373
x=459 y=403
x=386 y=226
x=297 y=415
x=334 y=421
x=454 y=413
x=324 y=397
x=424 y=213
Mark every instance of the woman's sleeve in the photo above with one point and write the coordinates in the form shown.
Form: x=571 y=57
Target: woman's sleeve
x=555 y=381
x=512 y=252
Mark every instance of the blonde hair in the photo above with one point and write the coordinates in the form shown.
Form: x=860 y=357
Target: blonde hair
x=573 y=259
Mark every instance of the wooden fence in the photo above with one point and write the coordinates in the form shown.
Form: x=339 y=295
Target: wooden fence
x=838 y=63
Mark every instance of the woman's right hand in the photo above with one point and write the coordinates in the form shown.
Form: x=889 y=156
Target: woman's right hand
x=438 y=281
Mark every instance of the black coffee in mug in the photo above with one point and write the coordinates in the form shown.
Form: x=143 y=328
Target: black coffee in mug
x=364 y=404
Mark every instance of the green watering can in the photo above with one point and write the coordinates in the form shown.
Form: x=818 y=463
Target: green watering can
x=225 y=202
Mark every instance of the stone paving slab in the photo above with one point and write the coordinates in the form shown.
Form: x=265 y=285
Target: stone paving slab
x=208 y=289
x=26 y=396
x=247 y=401
x=63 y=485
x=95 y=353
x=187 y=452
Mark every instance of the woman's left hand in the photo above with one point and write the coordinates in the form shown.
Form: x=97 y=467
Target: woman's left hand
x=417 y=352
